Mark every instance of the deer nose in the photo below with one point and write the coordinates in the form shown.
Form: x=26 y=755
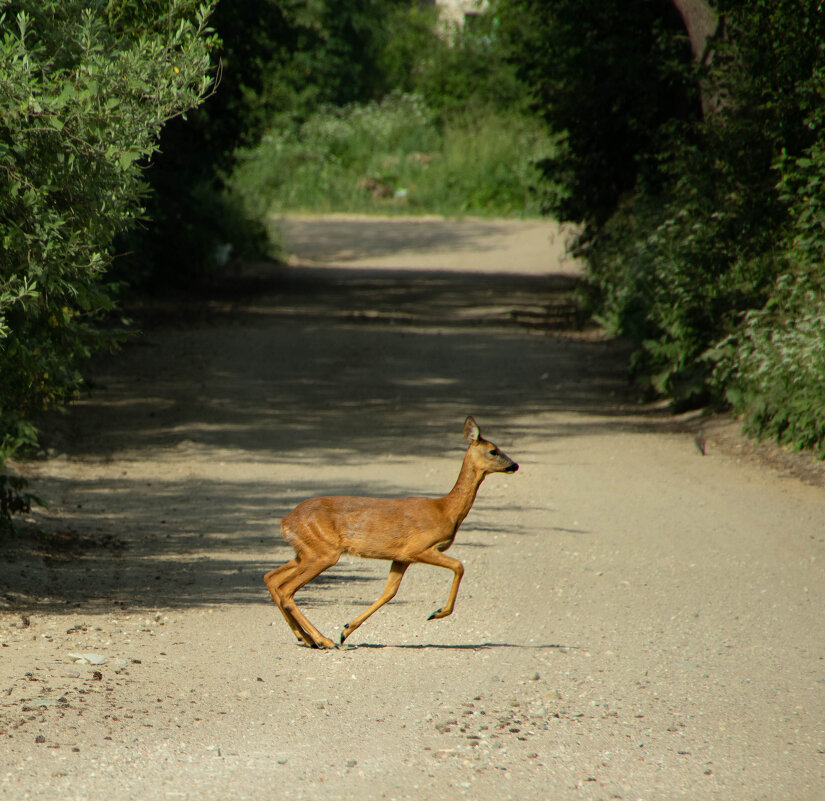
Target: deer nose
x=511 y=469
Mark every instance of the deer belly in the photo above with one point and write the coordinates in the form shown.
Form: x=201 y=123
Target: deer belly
x=372 y=545
x=396 y=536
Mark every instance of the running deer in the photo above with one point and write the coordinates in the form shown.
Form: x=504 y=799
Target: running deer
x=404 y=531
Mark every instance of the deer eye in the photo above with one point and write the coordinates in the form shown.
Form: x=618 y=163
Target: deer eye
x=494 y=452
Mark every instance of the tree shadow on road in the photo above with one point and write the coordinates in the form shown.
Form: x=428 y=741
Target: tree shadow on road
x=279 y=371
x=284 y=367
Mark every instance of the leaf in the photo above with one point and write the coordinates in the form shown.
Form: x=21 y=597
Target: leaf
x=128 y=158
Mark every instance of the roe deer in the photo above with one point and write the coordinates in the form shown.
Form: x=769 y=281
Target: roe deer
x=404 y=531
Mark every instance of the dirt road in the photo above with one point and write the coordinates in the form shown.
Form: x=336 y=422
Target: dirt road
x=637 y=621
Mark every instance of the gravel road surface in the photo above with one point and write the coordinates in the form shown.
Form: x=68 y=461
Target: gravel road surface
x=636 y=621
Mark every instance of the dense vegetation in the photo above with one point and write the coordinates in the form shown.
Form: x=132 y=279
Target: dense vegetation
x=699 y=186
x=446 y=129
x=84 y=91
x=393 y=156
x=360 y=106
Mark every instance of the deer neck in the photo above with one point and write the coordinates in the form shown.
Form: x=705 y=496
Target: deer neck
x=458 y=502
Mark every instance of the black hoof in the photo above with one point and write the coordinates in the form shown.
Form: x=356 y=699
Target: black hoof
x=432 y=616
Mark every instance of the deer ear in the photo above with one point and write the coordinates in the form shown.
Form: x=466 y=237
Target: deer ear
x=471 y=431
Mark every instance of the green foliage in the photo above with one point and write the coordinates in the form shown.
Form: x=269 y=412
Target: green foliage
x=453 y=137
x=608 y=75
x=317 y=164
x=345 y=65
x=279 y=58
x=393 y=157
x=705 y=237
x=487 y=165
x=467 y=74
x=409 y=38
x=84 y=92
x=771 y=367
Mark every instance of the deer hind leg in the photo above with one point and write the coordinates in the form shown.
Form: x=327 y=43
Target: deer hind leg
x=273 y=580
x=306 y=569
x=397 y=570
x=434 y=557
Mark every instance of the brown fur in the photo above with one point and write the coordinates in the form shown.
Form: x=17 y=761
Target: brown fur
x=403 y=530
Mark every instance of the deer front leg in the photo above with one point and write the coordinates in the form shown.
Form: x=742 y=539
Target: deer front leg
x=397 y=570
x=435 y=557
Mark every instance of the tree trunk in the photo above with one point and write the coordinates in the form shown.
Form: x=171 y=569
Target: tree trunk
x=701 y=22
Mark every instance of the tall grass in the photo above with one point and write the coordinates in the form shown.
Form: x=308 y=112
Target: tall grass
x=396 y=157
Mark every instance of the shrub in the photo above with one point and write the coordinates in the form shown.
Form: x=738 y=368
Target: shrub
x=277 y=58
x=320 y=164
x=84 y=92
x=609 y=77
x=775 y=370
x=704 y=237
x=771 y=368
x=394 y=156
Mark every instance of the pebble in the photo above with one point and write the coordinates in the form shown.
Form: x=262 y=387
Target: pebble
x=91 y=659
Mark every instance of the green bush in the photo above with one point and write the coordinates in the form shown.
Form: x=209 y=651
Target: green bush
x=609 y=77
x=441 y=127
x=280 y=59
x=84 y=91
x=771 y=368
x=487 y=165
x=317 y=164
x=468 y=72
x=393 y=156
x=676 y=271
x=775 y=370
x=704 y=235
